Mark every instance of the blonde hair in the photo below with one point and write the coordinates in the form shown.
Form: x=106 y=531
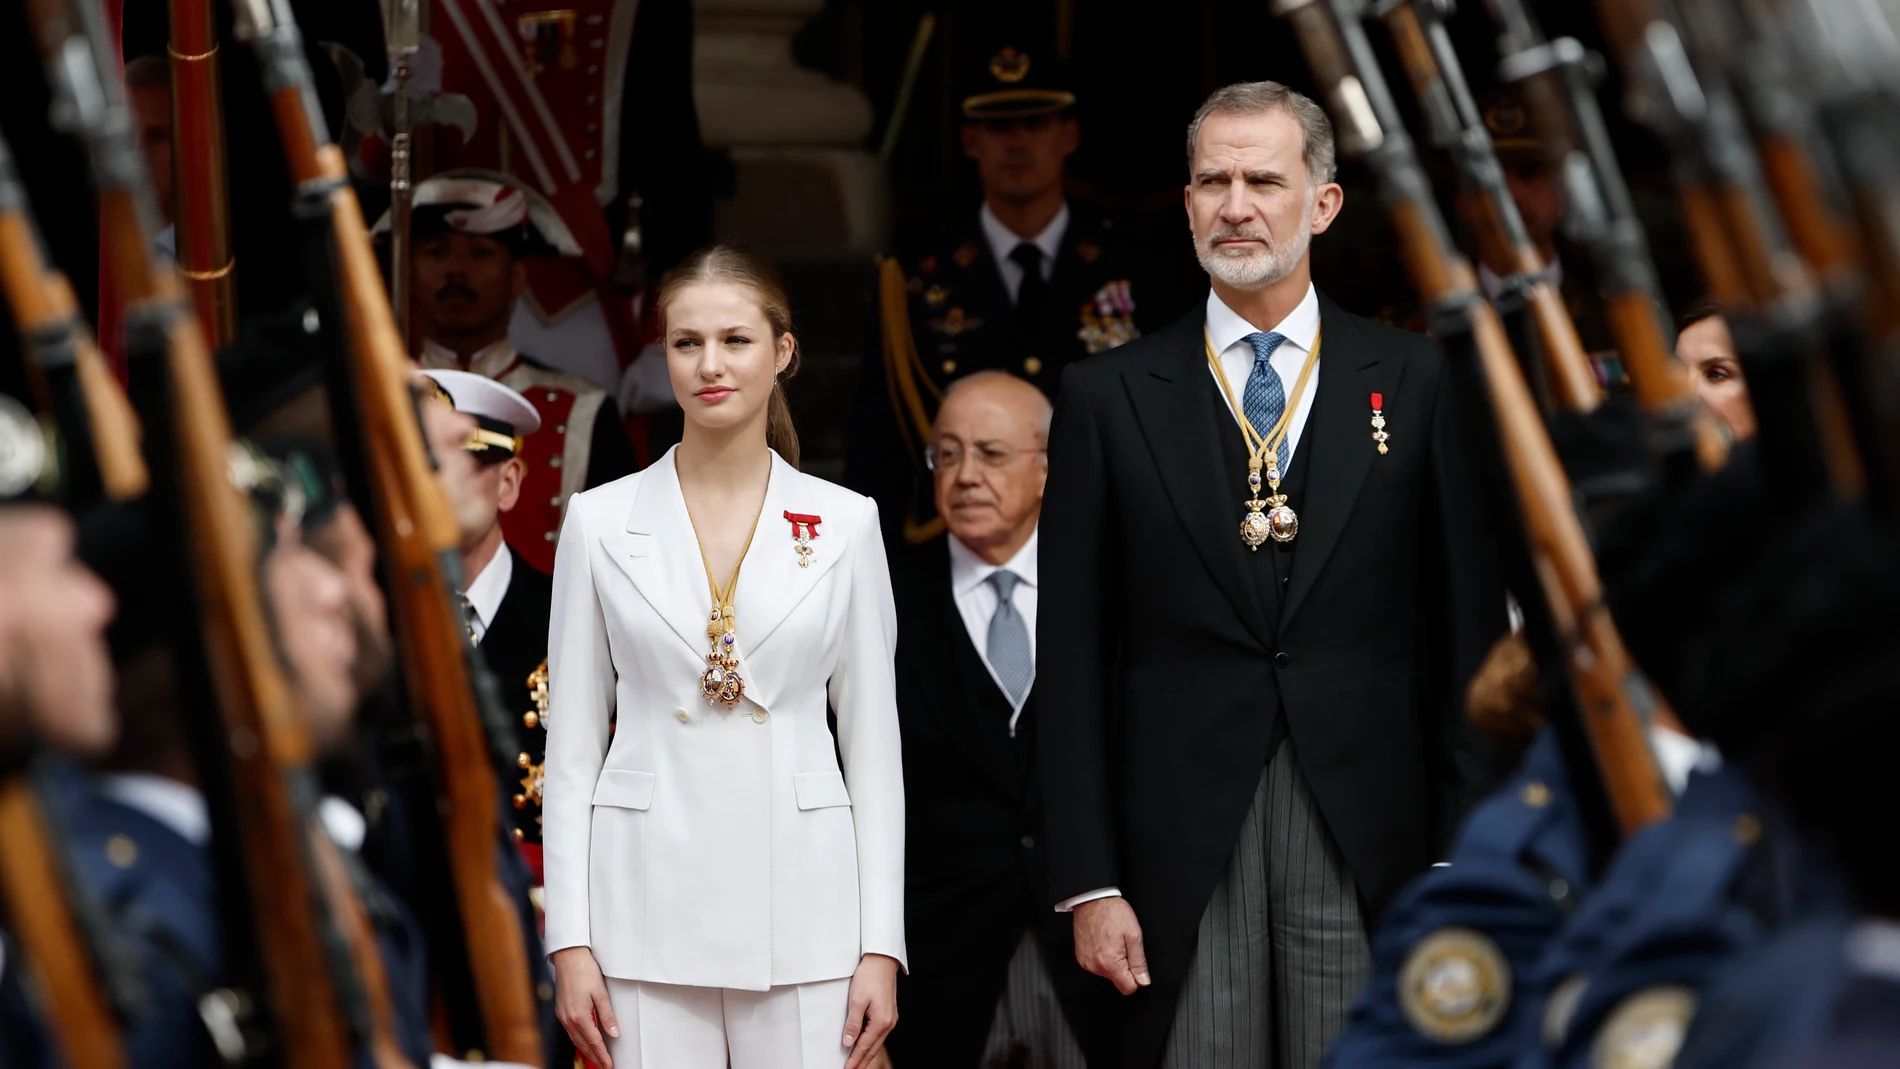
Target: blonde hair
x=723 y=263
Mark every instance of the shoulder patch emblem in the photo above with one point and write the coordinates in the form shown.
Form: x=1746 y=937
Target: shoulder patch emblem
x=965 y=254
x=1645 y=1030
x=1455 y=986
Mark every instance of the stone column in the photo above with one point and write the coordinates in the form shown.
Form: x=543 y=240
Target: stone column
x=806 y=187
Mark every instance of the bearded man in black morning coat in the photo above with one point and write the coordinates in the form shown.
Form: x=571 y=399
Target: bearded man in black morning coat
x=1247 y=750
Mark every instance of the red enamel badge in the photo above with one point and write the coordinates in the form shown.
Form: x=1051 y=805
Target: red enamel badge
x=1379 y=435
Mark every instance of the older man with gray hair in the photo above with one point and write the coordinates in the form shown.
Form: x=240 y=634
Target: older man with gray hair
x=993 y=977
x=1263 y=588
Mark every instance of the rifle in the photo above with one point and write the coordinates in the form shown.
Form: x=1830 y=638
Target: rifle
x=446 y=677
x=1615 y=699
x=1455 y=126
x=1737 y=230
x=203 y=206
x=62 y=360
x=311 y=964
x=1558 y=85
x=34 y=891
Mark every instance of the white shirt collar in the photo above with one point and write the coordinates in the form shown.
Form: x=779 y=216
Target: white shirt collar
x=491 y=361
x=179 y=806
x=1003 y=240
x=1225 y=326
x=486 y=591
x=967 y=570
x=1873 y=946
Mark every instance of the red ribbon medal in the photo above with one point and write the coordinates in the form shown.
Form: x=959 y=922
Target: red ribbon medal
x=1378 y=421
x=804 y=529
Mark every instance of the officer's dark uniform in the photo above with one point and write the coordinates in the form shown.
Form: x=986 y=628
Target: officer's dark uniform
x=516 y=647
x=951 y=313
x=1452 y=961
x=1681 y=900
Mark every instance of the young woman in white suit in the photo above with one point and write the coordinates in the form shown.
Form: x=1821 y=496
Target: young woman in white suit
x=718 y=890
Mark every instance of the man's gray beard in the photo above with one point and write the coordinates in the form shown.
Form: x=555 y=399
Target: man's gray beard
x=1262 y=269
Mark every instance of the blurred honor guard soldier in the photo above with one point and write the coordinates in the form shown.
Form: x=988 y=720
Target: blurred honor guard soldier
x=508 y=600
x=990 y=958
x=1028 y=283
x=472 y=233
x=1537 y=189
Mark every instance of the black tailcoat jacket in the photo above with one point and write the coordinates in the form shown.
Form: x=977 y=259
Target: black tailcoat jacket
x=515 y=644
x=1174 y=659
x=975 y=875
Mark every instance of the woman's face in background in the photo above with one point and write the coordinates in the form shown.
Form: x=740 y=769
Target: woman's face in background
x=721 y=354
x=1708 y=353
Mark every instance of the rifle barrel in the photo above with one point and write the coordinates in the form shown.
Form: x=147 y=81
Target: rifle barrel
x=202 y=194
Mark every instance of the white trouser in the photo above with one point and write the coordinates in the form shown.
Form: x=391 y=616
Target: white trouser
x=666 y=1026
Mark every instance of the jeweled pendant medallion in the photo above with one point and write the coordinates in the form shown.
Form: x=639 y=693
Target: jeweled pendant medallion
x=1283 y=524
x=1255 y=527
x=721 y=682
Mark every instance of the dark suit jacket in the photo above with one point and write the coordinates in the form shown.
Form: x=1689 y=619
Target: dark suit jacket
x=514 y=645
x=975 y=877
x=1181 y=667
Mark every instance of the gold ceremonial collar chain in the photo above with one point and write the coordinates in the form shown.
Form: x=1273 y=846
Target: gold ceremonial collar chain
x=1278 y=522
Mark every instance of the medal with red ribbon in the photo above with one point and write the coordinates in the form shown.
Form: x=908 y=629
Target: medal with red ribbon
x=804 y=529
x=1378 y=421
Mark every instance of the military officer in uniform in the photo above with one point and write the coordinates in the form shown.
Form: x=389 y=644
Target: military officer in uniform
x=508 y=599
x=471 y=232
x=1537 y=190
x=1027 y=283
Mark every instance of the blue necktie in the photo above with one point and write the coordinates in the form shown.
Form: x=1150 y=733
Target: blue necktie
x=1009 y=653
x=1265 y=397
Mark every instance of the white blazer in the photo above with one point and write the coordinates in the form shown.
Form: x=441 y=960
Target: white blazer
x=693 y=845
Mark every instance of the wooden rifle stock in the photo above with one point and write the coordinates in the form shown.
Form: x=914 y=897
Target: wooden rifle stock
x=1557 y=94
x=202 y=194
x=312 y=985
x=46 y=315
x=1430 y=65
x=1756 y=210
x=1615 y=699
x=84 y=1028
x=420 y=537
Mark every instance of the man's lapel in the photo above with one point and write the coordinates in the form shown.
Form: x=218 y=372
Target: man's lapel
x=1339 y=432
x=1198 y=447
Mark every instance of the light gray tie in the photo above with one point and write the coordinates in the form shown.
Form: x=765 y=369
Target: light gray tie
x=1009 y=653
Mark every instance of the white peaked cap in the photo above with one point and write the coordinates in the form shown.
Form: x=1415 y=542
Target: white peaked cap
x=483 y=397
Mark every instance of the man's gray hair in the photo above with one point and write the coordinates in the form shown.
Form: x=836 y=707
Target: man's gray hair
x=1252 y=98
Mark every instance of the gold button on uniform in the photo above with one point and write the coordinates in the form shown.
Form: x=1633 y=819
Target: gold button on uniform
x=551 y=536
x=552 y=396
x=1033 y=365
x=554 y=462
x=560 y=428
x=949 y=367
x=122 y=852
x=1535 y=795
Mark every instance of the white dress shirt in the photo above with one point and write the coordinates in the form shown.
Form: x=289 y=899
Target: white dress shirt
x=486 y=591
x=1003 y=241
x=178 y=806
x=977 y=602
x=1228 y=333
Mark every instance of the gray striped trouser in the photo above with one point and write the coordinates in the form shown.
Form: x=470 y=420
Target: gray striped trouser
x=1282 y=950
x=1030 y=1030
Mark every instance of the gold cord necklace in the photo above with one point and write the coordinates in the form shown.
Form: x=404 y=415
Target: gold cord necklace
x=721 y=682
x=1278 y=522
